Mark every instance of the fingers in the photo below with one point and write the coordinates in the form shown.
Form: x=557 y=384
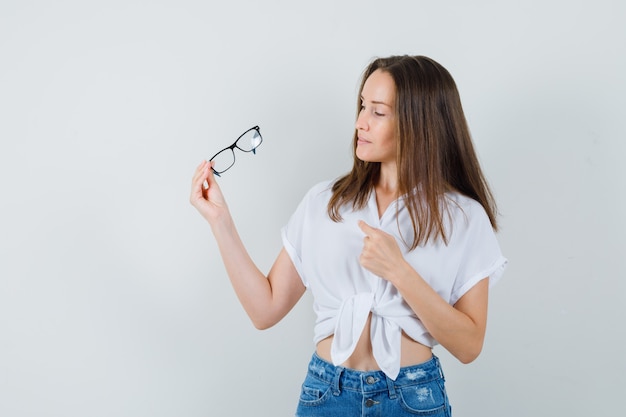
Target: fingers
x=204 y=175
x=376 y=239
x=210 y=175
x=378 y=251
x=366 y=228
x=201 y=172
x=200 y=178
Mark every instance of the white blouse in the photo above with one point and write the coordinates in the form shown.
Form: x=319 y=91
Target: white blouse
x=326 y=255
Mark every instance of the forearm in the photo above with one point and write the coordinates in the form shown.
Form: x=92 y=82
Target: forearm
x=250 y=284
x=460 y=333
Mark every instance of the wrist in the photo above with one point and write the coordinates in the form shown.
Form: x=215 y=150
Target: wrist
x=403 y=275
x=221 y=223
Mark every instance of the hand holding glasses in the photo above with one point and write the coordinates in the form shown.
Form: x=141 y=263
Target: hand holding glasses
x=247 y=142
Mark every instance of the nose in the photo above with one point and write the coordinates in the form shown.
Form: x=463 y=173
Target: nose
x=361 y=121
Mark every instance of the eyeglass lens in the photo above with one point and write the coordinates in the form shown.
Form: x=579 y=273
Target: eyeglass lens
x=249 y=141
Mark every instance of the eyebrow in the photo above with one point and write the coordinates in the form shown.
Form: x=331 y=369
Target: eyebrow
x=377 y=102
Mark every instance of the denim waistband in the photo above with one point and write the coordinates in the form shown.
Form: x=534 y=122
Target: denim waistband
x=342 y=378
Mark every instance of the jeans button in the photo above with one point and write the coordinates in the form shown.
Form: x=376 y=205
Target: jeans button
x=370 y=380
x=369 y=402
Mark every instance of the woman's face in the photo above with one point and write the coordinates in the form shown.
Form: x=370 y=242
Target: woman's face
x=376 y=126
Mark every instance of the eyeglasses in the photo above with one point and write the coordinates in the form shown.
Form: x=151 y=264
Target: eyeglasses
x=247 y=142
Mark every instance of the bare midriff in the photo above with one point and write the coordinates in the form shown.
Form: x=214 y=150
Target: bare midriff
x=362 y=359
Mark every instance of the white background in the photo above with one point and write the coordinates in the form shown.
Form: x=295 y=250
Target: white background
x=113 y=299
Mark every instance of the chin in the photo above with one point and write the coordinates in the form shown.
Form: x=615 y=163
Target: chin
x=363 y=157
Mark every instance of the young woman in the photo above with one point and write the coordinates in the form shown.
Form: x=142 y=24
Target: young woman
x=399 y=253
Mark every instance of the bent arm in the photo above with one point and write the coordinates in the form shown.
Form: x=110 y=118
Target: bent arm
x=266 y=299
x=459 y=328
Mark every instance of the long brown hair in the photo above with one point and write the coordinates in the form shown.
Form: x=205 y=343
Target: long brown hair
x=435 y=153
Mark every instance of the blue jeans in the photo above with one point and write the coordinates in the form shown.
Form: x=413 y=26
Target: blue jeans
x=330 y=390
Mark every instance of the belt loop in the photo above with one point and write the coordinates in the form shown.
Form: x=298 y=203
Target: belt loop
x=391 y=386
x=439 y=367
x=335 y=384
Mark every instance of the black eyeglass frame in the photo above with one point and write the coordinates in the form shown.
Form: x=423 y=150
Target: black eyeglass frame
x=232 y=149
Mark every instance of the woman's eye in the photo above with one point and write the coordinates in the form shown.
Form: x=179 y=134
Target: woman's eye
x=378 y=113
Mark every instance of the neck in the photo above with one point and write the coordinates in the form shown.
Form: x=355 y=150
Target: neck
x=388 y=180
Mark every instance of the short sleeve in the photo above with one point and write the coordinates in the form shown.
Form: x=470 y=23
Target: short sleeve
x=481 y=255
x=294 y=232
x=292 y=235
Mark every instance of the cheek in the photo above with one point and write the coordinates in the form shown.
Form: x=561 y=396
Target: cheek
x=387 y=132
x=390 y=141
